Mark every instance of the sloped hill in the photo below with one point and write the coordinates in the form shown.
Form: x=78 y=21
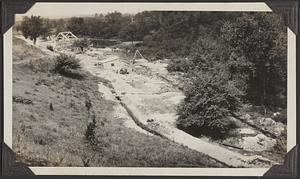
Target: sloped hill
x=23 y=51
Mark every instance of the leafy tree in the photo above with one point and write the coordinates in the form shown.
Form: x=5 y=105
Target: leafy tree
x=211 y=94
x=128 y=32
x=33 y=27
x=95 y=26
x=47 y=26
x=59 y=25
x=210 y=98
x=260 y=39
x=77 y=26
x=113 y=23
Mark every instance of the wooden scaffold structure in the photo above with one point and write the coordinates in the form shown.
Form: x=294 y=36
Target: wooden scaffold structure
x=137 y=52
x=65 y=36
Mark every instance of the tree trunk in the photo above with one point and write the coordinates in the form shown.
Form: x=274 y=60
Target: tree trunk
x=34 y=40
x=264 y=96
x=264 y=81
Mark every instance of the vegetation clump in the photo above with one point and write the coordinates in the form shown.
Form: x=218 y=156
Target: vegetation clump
x=90 y=134
x=34 y=27
x=81 y=43
x=49 y=47
x=68 y=65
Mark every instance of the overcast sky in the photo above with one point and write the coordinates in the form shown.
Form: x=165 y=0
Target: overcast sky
x=79 y=9
x=85 y=9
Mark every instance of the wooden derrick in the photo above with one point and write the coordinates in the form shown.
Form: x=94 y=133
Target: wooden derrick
x=137 y=52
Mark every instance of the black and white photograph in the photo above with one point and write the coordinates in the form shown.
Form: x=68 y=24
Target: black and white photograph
x=133 y=85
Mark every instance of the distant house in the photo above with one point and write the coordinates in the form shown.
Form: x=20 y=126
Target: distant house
x=65 y=36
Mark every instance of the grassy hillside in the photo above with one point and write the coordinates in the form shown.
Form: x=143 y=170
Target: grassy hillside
x=51 y=116
x=23 y=51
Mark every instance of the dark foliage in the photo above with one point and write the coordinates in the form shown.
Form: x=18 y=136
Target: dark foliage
x=33 y=27
x=81 y=43
x=210 y=98
x=77 y=26
x=260 y=39
x=49 y=47
x=90 y=134
x=68 y=66
x=102 y=43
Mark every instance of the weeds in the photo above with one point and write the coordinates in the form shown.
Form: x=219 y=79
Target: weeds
x=90 y=134
x=42 y=65
x=86 y=162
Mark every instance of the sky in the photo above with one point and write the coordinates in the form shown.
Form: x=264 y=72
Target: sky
x=55 y=10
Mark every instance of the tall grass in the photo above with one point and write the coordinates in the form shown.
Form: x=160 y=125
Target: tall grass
x=42 y=65
x=65 y=65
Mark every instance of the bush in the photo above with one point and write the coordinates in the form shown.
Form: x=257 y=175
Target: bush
x=181 y=65
x=49 y=47
x=160 y=55
x=90 y=132
x=81 y=43
x=68 y=66
x=102 y=43
x=210 y=98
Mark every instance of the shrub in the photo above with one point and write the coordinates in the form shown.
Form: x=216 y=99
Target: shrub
x=81 y=43
x=210 y=99
x=90 y=132
x=102 y=43
x=49 y=47
x=181 y=65
x=160 y=55
x=68 y=66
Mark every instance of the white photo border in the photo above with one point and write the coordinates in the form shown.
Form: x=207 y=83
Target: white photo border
x=125 y=171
